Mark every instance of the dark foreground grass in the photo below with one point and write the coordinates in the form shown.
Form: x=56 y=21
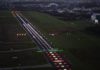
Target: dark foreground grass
x=80 y=48
x=25 y=58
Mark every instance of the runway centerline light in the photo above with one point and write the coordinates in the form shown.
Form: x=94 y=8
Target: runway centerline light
x=51 y=52
x=60 y=63
x=54 y=56
x=62 y=66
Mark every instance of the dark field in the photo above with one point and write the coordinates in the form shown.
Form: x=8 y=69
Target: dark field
x=17 y=50
x=80 y=47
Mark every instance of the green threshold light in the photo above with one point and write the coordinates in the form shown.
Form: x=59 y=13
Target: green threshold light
x=52 y=50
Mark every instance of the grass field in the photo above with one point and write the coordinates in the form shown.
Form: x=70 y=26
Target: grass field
x=9 y=41
x=80 y=48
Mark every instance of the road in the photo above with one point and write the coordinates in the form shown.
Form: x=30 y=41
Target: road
x=20 y=50
x=57 y=61
x=27 y=67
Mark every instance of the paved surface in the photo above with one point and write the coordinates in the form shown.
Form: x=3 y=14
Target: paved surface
x=26 y=67
x=21 y=50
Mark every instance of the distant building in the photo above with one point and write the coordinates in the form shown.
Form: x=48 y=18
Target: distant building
x=95 y=18
x=69 y=1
